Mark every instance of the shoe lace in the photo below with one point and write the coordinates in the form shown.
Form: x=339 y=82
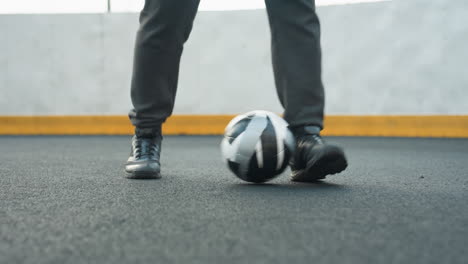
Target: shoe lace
x=145 y=148
x=317 y=138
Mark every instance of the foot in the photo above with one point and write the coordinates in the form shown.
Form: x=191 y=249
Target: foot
x=143 y=162
x=314 y=159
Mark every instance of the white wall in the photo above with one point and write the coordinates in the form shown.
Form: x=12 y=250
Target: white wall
x=52 y=6
x=401 y=57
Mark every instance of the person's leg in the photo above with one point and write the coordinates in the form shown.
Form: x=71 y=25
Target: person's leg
x=296 y=54
x=165 y=25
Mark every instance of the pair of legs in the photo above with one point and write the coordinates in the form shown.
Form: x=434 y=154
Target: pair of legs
x=165 y=26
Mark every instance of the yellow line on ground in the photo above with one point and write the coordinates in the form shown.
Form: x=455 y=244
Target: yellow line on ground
x=455 y=126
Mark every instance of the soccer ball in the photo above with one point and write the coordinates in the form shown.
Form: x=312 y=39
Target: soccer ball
x=257 y=146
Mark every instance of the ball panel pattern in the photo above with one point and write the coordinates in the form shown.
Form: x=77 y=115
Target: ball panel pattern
x=257 y=146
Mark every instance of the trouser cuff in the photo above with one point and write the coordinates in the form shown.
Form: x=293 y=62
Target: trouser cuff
x=305 y=130
x=148 y=132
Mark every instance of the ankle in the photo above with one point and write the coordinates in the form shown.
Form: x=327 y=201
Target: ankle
x=303 y=130
x=148 y=132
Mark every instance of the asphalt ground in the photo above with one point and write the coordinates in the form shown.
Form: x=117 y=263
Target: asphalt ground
x=65 y=200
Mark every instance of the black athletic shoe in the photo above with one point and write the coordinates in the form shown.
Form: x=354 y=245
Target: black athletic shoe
x=143 y=162
x=314 y=159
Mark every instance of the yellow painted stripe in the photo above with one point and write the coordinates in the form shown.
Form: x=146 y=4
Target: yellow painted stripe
x=395 y=126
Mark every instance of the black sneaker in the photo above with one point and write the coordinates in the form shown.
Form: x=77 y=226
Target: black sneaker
x=143 y=162
x=314 y=159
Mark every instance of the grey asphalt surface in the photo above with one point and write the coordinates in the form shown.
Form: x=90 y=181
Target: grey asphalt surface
x=65 y=200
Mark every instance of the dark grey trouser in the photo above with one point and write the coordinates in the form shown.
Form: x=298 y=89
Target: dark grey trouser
x=165 y=25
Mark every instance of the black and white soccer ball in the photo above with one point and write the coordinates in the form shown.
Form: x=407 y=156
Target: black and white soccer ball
x=257 y=146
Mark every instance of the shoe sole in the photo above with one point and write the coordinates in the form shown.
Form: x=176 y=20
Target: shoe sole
x=142 y=175
x=328 y=164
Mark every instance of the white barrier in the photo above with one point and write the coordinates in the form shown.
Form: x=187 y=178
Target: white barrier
x=400 y=57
